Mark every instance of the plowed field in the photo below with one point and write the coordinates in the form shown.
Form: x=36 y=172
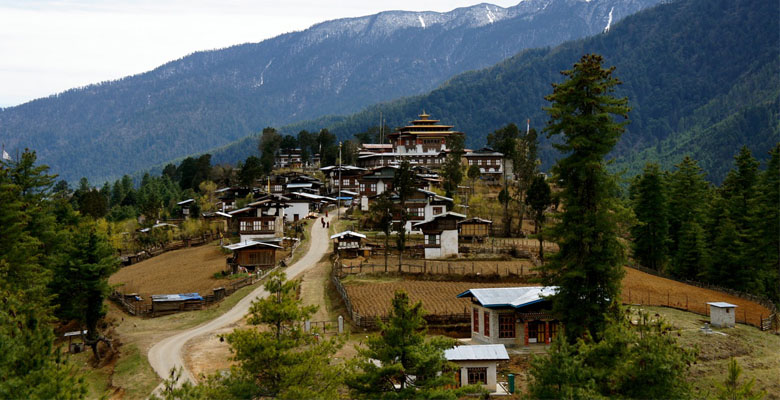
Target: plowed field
x=373 y=298
x=179 y=271
x=437 y=297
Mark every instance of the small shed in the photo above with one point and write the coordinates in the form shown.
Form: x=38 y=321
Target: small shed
x=348 y=243
x=722 y=315
x=185 y=206
x=475 y=228
x=252 y=255
x=477 y=364
x=163 y=303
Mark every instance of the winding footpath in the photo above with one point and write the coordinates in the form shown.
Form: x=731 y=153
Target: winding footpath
x=167 y=353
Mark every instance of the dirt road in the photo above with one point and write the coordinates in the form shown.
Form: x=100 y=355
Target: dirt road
x=167 y=353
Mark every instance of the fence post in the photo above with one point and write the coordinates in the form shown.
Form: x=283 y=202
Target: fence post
x=341 y=324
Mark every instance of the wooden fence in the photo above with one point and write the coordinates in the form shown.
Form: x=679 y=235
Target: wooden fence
x=764 y=324
x=372 y=321
x=153 y=251
x=458 y=268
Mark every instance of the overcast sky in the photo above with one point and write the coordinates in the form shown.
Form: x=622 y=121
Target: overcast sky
x=48 y=46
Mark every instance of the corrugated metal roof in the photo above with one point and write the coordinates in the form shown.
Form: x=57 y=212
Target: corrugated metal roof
x=721 y=304
x=484 y=352
x=250 y=243
x=513 y=296
x=348 y=233
x=298 y=185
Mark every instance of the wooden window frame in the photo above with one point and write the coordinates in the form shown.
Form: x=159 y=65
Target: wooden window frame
x=486 y=318
x=476 y=375
x=506 y=326
x=475 y=320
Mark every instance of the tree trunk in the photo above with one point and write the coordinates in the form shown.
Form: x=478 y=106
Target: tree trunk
x=387 y=243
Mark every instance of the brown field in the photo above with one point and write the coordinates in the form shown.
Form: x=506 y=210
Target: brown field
x=646 y=289
x=179 y=271
x=373 y=297
x=453 y=267
x=439 y=298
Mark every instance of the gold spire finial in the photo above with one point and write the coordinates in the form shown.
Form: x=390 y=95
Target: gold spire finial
x=424 y=115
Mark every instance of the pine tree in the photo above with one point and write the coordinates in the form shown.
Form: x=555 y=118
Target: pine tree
x=733 y=390
x=403 y=184
x=691 y=258
x=688 y=198
x=504 y=140
x=410 y=366
x=588 y=268
x=525 y=168
x=651 y=233
x=766 y=243
x=539 y=199
x=280 y=360
x=640 y=362
x=452 y=171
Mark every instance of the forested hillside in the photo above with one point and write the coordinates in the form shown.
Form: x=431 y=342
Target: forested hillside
x=211 y=98
x=701 y=77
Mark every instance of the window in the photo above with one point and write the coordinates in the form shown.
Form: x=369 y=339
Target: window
x=416 y=212
x=506 y=325
x=477 y=375
x=433 y=240
x=256 y=225
x=479 y=162
x=487 y=324
x=277 y=188
x=471 y=162
x=245 y=226
x=362 y=187
x=373 y=187
x=345 y=182
x=269 y=225
x=475 y=320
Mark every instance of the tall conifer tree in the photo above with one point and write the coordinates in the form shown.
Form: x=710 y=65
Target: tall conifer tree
x=651 y=233
x=588 y=268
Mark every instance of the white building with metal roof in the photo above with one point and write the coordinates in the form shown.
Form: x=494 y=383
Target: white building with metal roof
x=513 y=315
x=478 y=364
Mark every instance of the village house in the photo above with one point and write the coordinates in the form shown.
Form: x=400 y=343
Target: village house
x=489 y=162
x=513 y=315
x=289 y=158
x=441 y=234
x=420 y=206
x=348 y=244
x=252 y=256
x=477 y=365
x=261 y=219
x=228 y=196
x=347 y=175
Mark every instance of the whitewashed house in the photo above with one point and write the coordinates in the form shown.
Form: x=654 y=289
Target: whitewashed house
x=477 y=364
x=262 y=219
x=441 y=234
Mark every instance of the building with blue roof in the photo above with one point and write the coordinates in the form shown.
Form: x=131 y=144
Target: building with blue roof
x=512 y=315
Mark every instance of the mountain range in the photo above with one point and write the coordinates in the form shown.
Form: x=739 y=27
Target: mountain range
x=211 y=98
x=702 y=78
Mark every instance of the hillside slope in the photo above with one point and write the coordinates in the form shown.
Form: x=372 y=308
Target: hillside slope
x=702 y=78
x=210 y=98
